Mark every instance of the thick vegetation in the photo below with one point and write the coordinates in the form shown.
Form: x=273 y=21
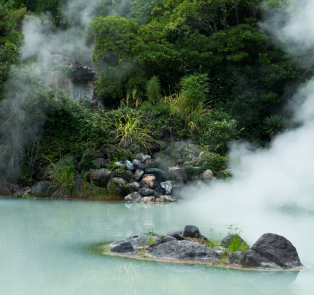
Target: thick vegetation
x=188 y=69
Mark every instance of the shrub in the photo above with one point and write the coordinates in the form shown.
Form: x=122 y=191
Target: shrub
x=146 y=106
x=274 y=125
x=217 y=130
x=153 y=90
x=195 y=88
x=61 y=174
x=130 y=130
x=162 y=109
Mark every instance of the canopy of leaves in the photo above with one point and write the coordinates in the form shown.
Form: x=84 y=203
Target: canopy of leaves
x=246 y=74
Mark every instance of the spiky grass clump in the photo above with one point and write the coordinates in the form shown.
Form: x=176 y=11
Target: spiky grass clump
x=275 y=124
x=61 y=174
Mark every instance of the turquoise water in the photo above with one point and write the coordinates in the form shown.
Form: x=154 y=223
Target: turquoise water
x=44 y=248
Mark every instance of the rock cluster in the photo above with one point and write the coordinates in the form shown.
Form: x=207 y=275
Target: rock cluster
x=271 y=251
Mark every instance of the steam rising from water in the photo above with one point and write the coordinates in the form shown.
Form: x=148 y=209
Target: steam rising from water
x=282 y=174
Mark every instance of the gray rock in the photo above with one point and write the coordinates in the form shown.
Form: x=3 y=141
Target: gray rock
x=132 y=187
x=146 y=157
x=151 y=164
x=277 y=249
x=157 y=172
x=208 y=175
x=137 y=164
x=180 y=162
x=148 y=199
x=95 y=154
x=252 y=258
x=175 y=231
x=182 y=250
x=99 y=162
x=78 y=185
x=148 y=181
x=42 y=189
x=235 y=258
x=226 y=241
x=124 y=247
x=168 y=198
x=127 y=176
x=129 y=165
x=138 y=175
x=168 y=239
x=140 y=157
x=101 y=175
x=133 y=197
x=116 y=186
x=191 y=231
x=178 y=236
x=146 y=191
x=138 y=240
x=70 y=159
x=120 y=164
x=166 y=187
x=178 y=174
x=21 y=192
x=160 y=145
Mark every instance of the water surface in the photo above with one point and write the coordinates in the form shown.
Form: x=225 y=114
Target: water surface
x=44 y=248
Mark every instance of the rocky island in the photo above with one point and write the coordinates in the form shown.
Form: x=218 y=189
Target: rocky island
x=188 y=245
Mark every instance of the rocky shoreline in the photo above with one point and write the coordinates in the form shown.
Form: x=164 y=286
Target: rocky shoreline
x=143 y=178
x=188 y=245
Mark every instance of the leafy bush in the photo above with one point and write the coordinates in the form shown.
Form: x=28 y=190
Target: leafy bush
x=146 y=106
x=274 y=125
x=153 y=90
x=162 y=109
x=61 y=174
x=217 y=130
x=194 y=88
x=130 y=130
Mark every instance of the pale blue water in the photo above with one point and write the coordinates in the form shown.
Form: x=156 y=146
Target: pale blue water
x=44 y=249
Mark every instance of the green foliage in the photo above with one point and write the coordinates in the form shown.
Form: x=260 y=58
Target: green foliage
x=132 y=130
x=236 y=243
x=19 y=15
x=162 y=108
x=213 y=47
x=150 y=236
x=61 y=174
x=9 y=55
x=8 y=32
x=194 y=88
x=274 y=124
x=217 y=130
x=146 y=106
x=153 y=90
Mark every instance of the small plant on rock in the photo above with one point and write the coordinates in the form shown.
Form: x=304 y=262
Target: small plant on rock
x=236 y=242
x=150 y=237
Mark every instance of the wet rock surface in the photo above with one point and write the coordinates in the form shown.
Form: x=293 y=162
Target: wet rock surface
x=123 y=247
x=183 y=250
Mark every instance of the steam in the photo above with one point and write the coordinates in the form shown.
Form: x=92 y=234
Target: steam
x=281 y=175
x=43 y=39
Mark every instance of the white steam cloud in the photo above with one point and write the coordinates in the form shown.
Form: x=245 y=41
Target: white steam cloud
x=282 y=174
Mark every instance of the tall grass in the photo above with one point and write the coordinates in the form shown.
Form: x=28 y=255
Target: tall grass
x=193 y=113
x=130 y=129
x=61 y=174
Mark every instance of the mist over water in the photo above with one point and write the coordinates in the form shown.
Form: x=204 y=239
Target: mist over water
x=282 y=174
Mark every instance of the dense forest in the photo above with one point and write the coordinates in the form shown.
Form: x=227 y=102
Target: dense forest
x=201 y=71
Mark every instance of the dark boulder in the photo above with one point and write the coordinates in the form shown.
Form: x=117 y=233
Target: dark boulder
x=116 y=186
x=4 y=191
x=101 y=175
x=191 y=231
x=137 y=164
x=277 y=249
x=132 y=187
x=252 y=258
x=148 y=181
x=123 y=247
x=151 y=164
x=146 y=191
x=235 y=258
x=178 y=174
x=160 y=175
x=178 y=236
x=175 y=231
x=183 y=250
x=78 y=185
x=43 y=189
x=168 y=239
